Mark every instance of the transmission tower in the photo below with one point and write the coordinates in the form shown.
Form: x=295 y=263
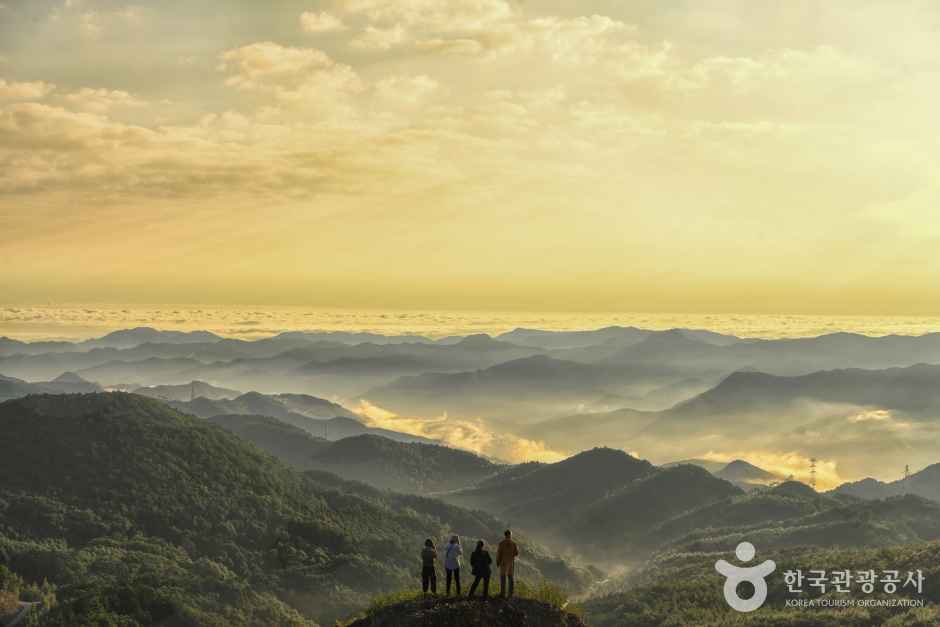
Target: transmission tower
x=907 y=475
x=812 y=473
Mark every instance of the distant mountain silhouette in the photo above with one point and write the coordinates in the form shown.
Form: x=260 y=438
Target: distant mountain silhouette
x=768 y=506
x=9 y=346
x=577 y=480
x=750 y=402
x=581 y=430
x=128 y=338
x=669 y=395
x=925 y=483
x=290 y=444
x=614 y=335
x=393 y=360
x=705 y=352
x=307 y=413
x=70 y=383
x=346 y=337
x=599 y=501
x=786 y=356
x=741 y=473
x=573 y=339
x=11 y=387
x=622 y=519
x=653 y=347
x=150 y=371
x=867 y=488
x=70 y=378
x=401 y=466
x=505 y=388
x=914 y=389
x=187 y=391
x=339 y=428
x=793 y=514
x=274 y=405
x=620 y=367
x=708 y=465
x=66 y=383
x=744 y=474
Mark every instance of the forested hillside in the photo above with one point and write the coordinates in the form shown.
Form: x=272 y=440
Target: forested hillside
x=130 y=507
x=682 y=588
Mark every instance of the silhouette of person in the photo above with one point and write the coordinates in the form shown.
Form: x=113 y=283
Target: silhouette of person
x=506 y=556
x=452 y=554
x=428 y=572
x=480 y=562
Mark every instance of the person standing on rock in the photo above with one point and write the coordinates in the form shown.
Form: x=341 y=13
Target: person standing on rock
x=480 y=561
x=452 y=562
x=428 y=572
x=506 y=556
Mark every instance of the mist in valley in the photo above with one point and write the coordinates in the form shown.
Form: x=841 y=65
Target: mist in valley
x=608 y=450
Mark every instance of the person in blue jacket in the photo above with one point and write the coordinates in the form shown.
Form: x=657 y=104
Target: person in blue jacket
x=452 y=562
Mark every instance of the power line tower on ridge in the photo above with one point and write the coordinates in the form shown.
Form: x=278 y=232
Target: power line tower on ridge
x=812 y=473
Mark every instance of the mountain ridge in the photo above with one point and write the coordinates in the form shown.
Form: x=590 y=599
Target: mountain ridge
x=148 y=497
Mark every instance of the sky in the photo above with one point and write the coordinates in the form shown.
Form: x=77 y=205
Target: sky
x=599 y=155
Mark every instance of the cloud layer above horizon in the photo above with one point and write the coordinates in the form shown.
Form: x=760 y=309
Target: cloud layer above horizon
x=595 y=156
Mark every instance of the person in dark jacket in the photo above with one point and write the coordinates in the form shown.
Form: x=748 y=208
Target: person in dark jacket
x=480 y=568
x=428 y=571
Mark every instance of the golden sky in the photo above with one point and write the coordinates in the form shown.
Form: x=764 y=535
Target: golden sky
x=599 y=155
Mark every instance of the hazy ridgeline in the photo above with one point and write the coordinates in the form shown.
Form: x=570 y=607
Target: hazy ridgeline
x=290 y=479
x=540 y=395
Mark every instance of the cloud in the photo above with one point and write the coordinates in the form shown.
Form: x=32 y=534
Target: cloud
x=102 y=100
x=292 y=75
x=470 y=435
x=494 y=29
x=35 y=90
x=455 y=27
x=584 y=39
x=405 y=90
x=42 y=145
x=881 y=418
x=656 y=123
x=322 y=22
x=320 y=148
x=466 y=46
x=450 y=16
x=45 y=148
x=786 y=69
x=92 y=22
x=373 y=38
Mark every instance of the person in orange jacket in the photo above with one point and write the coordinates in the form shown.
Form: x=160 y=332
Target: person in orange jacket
x=506 y=556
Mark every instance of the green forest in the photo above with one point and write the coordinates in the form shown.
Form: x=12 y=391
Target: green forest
x=134 y=513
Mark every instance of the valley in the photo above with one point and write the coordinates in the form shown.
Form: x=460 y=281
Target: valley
x=310 y=506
